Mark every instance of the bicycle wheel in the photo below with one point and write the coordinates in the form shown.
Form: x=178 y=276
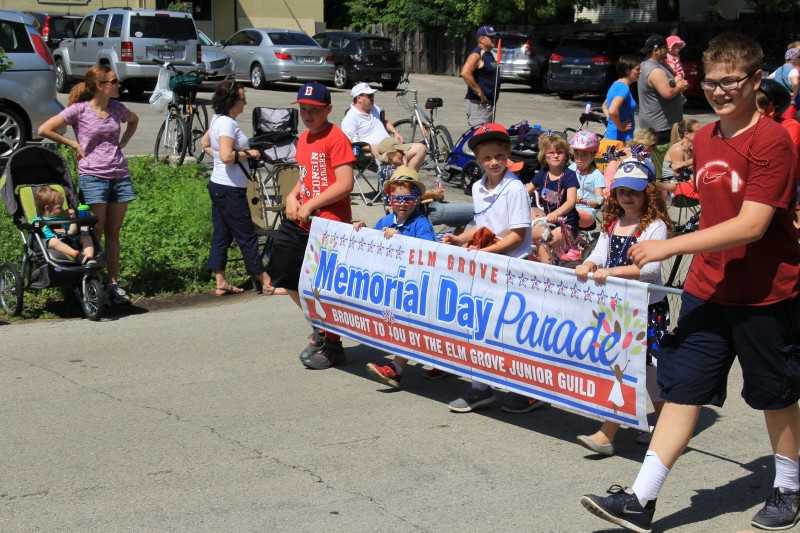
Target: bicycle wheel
x=171 y=145
x=196 y=128
x=442 y=144
x=410 y=130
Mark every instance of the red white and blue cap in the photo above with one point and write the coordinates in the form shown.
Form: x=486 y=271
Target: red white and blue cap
x=633 y=174
x=489 y=31
x=490 y=131
x=313 y=93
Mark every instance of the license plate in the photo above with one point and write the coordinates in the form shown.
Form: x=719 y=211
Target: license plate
x=386 y=76
x=310 y=59
x=166 y=54
x=575 y=72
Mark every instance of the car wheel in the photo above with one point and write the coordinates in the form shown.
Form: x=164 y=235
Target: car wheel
x=257 y=77
x=341 y=78
x=135 y=92
x=390 y=85
x=13 y=131
x=62 y=80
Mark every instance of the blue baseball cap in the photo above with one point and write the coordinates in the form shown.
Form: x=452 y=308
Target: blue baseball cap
x=313 y=93
x=488 y=31
x=633 y=174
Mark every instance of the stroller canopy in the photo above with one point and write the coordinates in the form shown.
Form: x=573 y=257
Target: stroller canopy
x=33 y=165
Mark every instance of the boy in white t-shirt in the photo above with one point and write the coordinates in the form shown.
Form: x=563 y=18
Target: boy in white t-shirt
x=502 y=206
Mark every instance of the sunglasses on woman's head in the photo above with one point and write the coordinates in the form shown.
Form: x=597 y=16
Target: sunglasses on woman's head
x=402 y=198
x=115 y=81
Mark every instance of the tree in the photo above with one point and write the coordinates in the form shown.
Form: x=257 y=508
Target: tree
x=457 y=16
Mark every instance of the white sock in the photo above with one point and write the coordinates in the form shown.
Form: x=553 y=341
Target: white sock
x=787 y=474
x=650 y=479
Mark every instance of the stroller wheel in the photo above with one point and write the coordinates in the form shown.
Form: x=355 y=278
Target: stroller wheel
x=472 y=173
x=93 y=299
x=11 y=288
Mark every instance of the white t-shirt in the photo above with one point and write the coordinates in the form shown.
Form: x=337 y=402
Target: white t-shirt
x=364 y=127
x=651 y=272
x=232 y=174
x=504 y=208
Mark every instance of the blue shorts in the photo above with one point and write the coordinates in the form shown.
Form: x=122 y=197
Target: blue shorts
x=104 y=191
x=694 y=363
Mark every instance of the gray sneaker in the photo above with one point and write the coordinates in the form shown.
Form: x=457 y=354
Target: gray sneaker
x=779 y=512
x=315 y=342
x=474 y=399
x=328 y=355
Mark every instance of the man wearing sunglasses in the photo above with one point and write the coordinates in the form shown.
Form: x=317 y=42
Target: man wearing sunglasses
x=740 y=299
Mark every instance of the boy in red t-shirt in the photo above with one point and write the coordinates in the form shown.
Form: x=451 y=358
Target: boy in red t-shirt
x=325 y=157
x=740 y=297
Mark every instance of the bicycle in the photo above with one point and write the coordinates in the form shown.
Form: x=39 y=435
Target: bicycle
x=186 y=120
x=421 y=127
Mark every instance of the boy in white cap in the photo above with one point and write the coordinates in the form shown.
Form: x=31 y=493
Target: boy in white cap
x=363 y=123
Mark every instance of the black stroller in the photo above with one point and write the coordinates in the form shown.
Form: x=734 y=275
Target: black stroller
x=29 y=168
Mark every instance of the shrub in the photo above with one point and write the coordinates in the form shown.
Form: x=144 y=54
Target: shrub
x=166 y=234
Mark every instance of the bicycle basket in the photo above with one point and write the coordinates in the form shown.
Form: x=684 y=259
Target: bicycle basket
x=185 y=84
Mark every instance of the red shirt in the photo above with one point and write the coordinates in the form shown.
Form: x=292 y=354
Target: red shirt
x=762 y=272
x=318 y=155
x=792 y=127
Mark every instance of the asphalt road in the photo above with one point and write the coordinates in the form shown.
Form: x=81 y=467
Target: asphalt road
x=202 y=419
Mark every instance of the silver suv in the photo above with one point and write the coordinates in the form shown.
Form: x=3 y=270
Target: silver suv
x=130 y=41
x=27 y=93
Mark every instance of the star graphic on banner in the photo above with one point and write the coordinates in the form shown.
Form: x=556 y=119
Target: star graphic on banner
x=548 y=285
x=324 y=238
x=380 y=248
x=400 y=251
x=388 y=316
x=588 y=294
x=535 y=283
x=618 y=298
x=370 y=247
x=510 y=277
x=523 y=280
x=601 y=296
x=562 y=288
x=352 y=240
x=573 y=291
x=361 y=244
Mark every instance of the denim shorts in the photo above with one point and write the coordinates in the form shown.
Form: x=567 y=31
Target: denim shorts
x=96 y=190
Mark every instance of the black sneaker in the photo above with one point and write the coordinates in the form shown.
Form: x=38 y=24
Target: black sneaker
x=621 y=508
x=779 y=512
x=518 y=404
x=315 y=342
x=328 y=355
x=118 y=294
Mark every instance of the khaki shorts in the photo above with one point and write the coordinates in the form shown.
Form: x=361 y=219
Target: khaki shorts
x=478 y=113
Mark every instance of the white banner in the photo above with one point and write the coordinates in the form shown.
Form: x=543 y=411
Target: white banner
x=518 y=325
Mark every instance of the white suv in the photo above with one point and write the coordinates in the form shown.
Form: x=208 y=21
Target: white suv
x=130 y=41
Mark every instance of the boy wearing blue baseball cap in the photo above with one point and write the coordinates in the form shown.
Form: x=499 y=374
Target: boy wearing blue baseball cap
x=325 y=158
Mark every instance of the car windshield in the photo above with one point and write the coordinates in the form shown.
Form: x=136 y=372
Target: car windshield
x=512 y=41
x=291 y=39
x=163 y=27
x=378 y=45
x=581 y=47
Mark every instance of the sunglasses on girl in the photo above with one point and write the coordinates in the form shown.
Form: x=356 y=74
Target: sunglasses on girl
x=402 y=198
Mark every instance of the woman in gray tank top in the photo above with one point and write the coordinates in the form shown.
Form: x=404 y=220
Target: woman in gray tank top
x=660 y=94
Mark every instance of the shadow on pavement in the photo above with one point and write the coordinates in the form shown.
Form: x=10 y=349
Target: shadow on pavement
x=736 y=496
x=554 y=422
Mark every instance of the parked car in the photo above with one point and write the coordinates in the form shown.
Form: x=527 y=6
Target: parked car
x=586 y=63
x=362 y=57
x=522 y=60
x=264 y=55
x=131 y=42
x=27 y=87
x=54 y=27
x=217 y=64
x=692 y=61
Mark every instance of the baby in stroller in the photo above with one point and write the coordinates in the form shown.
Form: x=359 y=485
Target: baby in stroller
x=69 y=242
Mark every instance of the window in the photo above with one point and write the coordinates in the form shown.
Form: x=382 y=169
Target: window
x=254 y=38
x=238 y=39
x=377 y=45
x=291 y=39
x=322 y=40
x=83 y=29
x=14 y=37
x=115 y=29
x=204 y=40
x=163 y=27
x=99 y=26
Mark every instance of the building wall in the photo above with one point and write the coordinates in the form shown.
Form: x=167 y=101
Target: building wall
x=309 y=14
